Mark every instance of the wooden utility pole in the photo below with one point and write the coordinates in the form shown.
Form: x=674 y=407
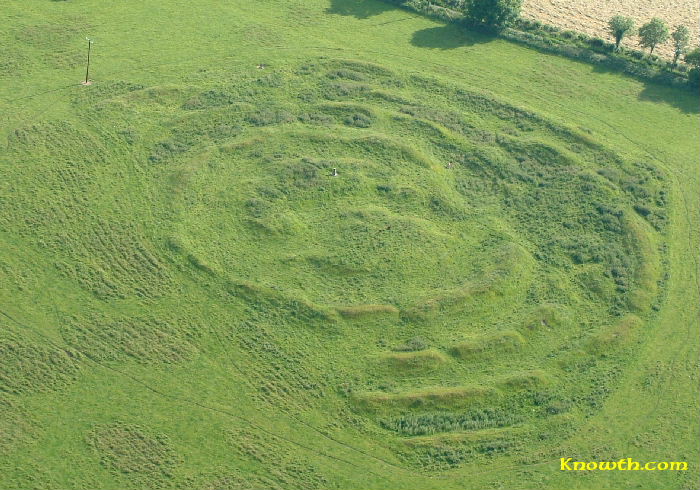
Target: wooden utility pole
x=87 y=69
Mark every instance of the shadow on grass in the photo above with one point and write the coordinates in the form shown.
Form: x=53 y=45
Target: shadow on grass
x=686 y=101
x=448 y=36
x=360 y=9
x=680 y=97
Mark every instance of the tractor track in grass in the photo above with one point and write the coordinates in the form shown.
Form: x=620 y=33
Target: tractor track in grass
x=230 y=414
x=247 y=380
x=196 y=403
x=199 y=405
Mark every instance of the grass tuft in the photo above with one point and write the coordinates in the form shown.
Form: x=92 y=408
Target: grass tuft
x=488 y=345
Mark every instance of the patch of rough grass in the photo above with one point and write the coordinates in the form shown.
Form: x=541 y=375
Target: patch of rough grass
x=335 y=264
x=648 y=273
x=299 y=308
x=511 y=264
x=27 y=367
x=347 y=75
x=159 y=95
x=16 y=425
x=269 y=116
x=425 y=399
x=365 y=67
x=477 y=347
x=200 y=264
x=177 y=245
x=525 y=380
x=277 y=224
x=452 y=449
x=387 y=96
x=614 y=336
x=105 y=91
x=437 y=422
x=377 y=147
x=448 y=299
x=343 y=110
x=210 y=99
x=364 y=311
x=59 y=36
x=286 y=467
x=226 y=479
x=136 y=452
x=413 y=361
x=144 y=340
x=546 y=316
x=463 y=437
x=593 y=278
x=450 y=120
x=411 y=345
x=14 y=62
x=339 y=90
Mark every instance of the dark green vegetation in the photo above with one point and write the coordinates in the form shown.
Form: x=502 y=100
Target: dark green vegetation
x=493 y=15
x=502 y=273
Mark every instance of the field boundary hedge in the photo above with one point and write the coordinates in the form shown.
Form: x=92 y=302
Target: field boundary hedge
x=570 y=44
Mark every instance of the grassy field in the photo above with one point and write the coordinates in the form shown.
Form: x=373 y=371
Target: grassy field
x=502 y=273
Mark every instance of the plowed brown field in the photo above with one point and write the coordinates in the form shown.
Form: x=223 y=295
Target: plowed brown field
x=591 y=16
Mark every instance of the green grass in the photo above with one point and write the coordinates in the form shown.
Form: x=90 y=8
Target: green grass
x=411 y=361
x=503 y=273
x=425 y=399
x=488 y=345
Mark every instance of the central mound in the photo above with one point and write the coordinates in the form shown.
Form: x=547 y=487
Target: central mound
x=494 y=252
x=344 y=190
x=389 y=228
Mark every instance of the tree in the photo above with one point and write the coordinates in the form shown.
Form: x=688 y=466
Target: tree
x=493 y=15
x=681 y=37
x=693 y=59
x=620 y=26
x=652 y=33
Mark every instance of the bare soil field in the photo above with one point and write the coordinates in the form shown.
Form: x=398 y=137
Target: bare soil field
x=591 y=16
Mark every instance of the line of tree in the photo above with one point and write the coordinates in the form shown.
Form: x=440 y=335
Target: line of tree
x=497 y=15
x=651 y=34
